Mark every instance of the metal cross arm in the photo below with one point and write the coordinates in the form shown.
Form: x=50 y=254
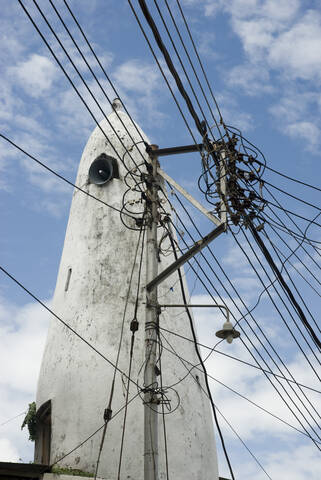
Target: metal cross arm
x=197 y=247
x=189 y=197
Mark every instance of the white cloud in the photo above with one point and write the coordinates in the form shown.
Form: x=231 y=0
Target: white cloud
x=307 y=131
x=137 y=77
x=34 y=75
x=297 y=51
x=8 y=453
x=23 y=332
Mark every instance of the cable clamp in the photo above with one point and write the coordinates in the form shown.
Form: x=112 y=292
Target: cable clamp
x=107 y=414
x=134 y=325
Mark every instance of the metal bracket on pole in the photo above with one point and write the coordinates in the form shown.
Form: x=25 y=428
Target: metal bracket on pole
x=163 y=152
x=197 y=247
x=189 y=197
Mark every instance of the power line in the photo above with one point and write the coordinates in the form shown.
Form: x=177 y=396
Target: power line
x=162 y=71
x=64 y=323
x=229 y=388
x=209 y=249
x=12 y=418
x=222 y=300
x=194 y=71
x=60 y=176
x=108 y=410
x=93 y=434
x=275 y=269
x=240 y=360
x=208 y=395
x=97 y=81
x=70 y=80
x=201 y=360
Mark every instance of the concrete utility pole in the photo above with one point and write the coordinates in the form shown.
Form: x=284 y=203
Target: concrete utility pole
x=153 y=279
x=151 y=327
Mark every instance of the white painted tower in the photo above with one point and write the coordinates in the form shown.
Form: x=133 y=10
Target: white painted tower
x=90 y=295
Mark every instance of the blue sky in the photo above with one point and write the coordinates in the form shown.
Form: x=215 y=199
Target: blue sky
x=263 y=61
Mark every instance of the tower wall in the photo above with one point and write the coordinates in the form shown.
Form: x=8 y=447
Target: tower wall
x=96 y=264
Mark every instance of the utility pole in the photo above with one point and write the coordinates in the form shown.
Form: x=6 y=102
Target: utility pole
x=151 y=326
x=153 y=279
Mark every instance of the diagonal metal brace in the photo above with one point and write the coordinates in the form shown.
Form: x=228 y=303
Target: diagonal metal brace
x=197 y=247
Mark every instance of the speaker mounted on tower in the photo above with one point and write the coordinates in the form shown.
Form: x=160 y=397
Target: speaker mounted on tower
x=103 y=169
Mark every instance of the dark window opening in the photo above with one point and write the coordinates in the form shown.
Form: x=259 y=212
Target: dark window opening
x=68 y=279
x=43 y=434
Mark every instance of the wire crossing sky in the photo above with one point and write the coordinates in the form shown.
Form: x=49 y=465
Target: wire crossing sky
x=246 y=72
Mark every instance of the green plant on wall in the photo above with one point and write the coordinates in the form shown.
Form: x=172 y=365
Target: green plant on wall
x=70 y=471
x=30 y=421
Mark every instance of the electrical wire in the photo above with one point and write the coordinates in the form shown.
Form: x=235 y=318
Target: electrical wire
x=240 y=360
x=58 y=175
x=97 y=81
x=194 y=70
x=108 y=411
x=92 y=434
x=207 y=394
x=69 y=78
x=284 y=285
x=274 y=386
x=12 y=418
x=162 y=71
x=64 y=323
x=227 y=387
x=134 y=327
x=202 y=363
x=278 y=310
x=209 y=249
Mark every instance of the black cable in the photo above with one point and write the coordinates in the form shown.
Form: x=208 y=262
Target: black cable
x=226 y=386
x=240 y=360
x=86 y=85
x=316 y=249
x=68 y=77
x=291 y=195
x=108 y=411
x=12 y=418
x=101 y=67
x=162 y=71
x=283 y=267
x=58 y=175
x=206 y=393
x=201 y=362
x=97 y=80
x=288 y=231
x=194 y=71
x=222 y=300
x=64 y=323
x=181 y=62
x=199 y=60
x=243 y=443
x=133 y=327
x=291 y=178
x=209 y=249
x=301 y=262
x=170 y=65
x=275 y=269
x=278 y=310
x=92 y=434
x=276 y=250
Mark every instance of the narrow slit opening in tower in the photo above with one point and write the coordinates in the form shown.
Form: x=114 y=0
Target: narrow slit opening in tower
x=68 y=279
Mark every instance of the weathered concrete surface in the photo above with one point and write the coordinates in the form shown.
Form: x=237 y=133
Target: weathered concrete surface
x=100 y=252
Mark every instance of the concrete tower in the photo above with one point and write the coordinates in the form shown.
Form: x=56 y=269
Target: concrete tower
x=90 y=295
